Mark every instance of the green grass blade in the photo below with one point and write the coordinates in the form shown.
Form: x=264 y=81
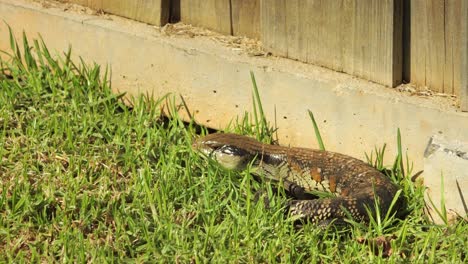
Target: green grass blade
x=14 y=46
x=28 y=57
x=399 y=160
x=317 y=131
x=39 y=55
x=263 y=125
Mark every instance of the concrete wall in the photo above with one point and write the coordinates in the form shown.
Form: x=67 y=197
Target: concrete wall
x=354 y=115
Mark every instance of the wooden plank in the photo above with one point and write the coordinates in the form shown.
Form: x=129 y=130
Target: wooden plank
x=297 y=42
x=464 y=56
x=397 y=53
x=155 y=12
x=273 y=26
x=418 y=39
x=212 y=14
x=246 y=18
x=354 y=36
x=452 y=47
x=406 y=27
x=376 y=37
x=435 y=45
x=312 y=34
x=325 y=47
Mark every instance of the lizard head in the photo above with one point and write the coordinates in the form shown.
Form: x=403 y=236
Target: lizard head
x=231 y=151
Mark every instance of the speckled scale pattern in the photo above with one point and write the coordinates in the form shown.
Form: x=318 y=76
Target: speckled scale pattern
x=355 y=183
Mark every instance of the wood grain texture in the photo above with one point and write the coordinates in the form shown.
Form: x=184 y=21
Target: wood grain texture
x=246 y=18
x=212 y=14
x=435 y=45
x=464 y=57
x=155 y=12
x=359 y=37
x=273 y=26
x=297 y=43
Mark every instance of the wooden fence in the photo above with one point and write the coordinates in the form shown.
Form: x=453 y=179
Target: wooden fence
x=352 y=36
x=423 y=42
x=434 y=44
x=155 y=12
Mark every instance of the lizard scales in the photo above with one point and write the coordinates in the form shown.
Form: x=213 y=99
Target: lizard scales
x=355 y=183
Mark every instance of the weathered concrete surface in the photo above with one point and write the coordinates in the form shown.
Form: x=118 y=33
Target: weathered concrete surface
x=445 y=164
x=354 y=115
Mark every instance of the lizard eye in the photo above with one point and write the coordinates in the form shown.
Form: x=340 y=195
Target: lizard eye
x=228 y=150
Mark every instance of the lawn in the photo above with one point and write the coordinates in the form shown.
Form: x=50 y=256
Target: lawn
x=86 y=177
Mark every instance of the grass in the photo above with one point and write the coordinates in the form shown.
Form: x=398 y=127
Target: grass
x=87 y=178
